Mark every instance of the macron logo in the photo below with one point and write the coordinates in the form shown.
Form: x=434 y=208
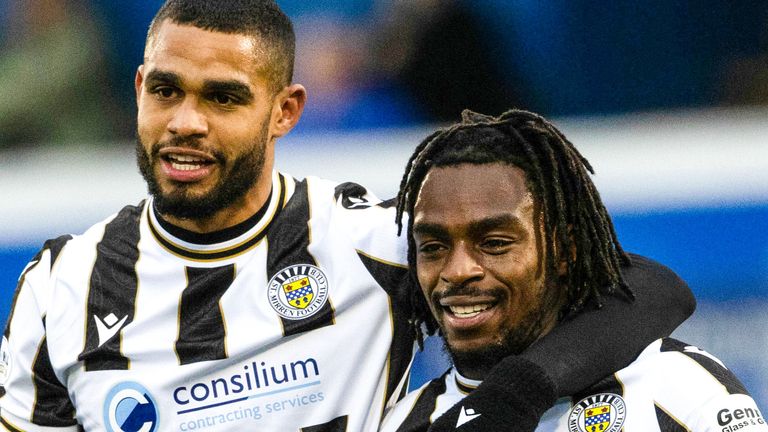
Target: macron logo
x=108 y=327
x=466 y=416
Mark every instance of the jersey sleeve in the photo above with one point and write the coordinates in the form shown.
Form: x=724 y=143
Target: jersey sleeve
x=597 y=342
x=695 y=391
x=33 y=398
x=728 y=413
x=370 y=224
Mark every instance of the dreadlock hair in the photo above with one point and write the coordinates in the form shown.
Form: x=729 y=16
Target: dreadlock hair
x=262 y=19
x=557 y=176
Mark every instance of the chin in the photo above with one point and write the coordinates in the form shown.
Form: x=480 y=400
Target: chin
x=475 y=363
x=469 y=347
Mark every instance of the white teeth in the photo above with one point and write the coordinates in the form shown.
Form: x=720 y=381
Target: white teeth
x=468 y=311
x=185 y=162
x=186 y=158
x=185 y=167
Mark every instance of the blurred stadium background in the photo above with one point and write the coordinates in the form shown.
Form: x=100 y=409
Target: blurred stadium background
x=667 y=98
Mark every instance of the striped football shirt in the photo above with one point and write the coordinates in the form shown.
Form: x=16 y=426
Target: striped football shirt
x=670 y=387
x=287 y=322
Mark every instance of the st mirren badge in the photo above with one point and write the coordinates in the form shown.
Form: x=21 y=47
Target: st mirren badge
x=298 y=291
x=604 y=412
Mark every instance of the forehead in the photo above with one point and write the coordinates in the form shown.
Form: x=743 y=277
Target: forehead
x=466 y=193
x=192 y=50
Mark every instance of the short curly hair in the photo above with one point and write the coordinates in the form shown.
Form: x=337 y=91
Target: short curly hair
x=262 y=19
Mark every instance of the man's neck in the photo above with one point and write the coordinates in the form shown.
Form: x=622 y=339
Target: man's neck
x=238 y=212
x=474 y=372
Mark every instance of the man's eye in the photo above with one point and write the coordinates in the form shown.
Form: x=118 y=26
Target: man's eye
x=430 y=248
x=164 y=92
x=496 y=245
x=223 y=99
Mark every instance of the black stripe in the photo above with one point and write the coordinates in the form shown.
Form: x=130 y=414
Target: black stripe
x=201 y=324
x=404 y=389
x=418 y=418
x=339 y=424
x=391 y=279
x=721 y=374
x=52 y=405
x=8 y=425
x=288 y=242
x=666 y=422
x=54 y=246
x=113 y=289
x=392 y=202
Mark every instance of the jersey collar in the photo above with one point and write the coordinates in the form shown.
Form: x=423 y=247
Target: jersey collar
x=465 y=385
x=223 y=244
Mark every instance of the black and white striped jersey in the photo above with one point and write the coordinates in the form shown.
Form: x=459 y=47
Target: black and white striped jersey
x=670 y=387
x=286 y=322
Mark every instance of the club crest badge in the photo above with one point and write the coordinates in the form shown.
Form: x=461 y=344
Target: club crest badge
x=298 y=291
x=604 y=412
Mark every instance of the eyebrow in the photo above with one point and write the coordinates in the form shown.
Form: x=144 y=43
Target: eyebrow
x=235 y=87
x=475 y=227
x=494 y=222
x=428 y=229
x=156 y=77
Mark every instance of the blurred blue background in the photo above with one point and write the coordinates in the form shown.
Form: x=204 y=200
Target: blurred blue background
x=667 y=98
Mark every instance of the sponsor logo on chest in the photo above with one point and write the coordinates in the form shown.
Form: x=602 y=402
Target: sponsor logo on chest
x=130 y=408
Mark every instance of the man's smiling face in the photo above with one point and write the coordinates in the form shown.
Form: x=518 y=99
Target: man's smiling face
x=204 y=119
x=481 y=262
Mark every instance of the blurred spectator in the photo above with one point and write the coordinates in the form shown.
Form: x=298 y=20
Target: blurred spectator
x=3 y=21
x=67 y=76
x=746 y=81
x=122 y=36
x=745 y=77
x=52 y=76
x=443 y=53
x=344 y=10
x=342 y=90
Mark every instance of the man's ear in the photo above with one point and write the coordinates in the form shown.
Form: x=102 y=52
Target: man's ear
x=138 y=82
x=289 y=104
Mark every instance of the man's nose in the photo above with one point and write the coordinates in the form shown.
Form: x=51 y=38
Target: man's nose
x=189 y=120
x=462 y=265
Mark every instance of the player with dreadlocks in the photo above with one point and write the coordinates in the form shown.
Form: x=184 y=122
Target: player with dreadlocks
x=508 y=238
x=573 y=212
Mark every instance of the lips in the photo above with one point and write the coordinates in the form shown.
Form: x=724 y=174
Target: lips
x=185 y=165
x=467 y=312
